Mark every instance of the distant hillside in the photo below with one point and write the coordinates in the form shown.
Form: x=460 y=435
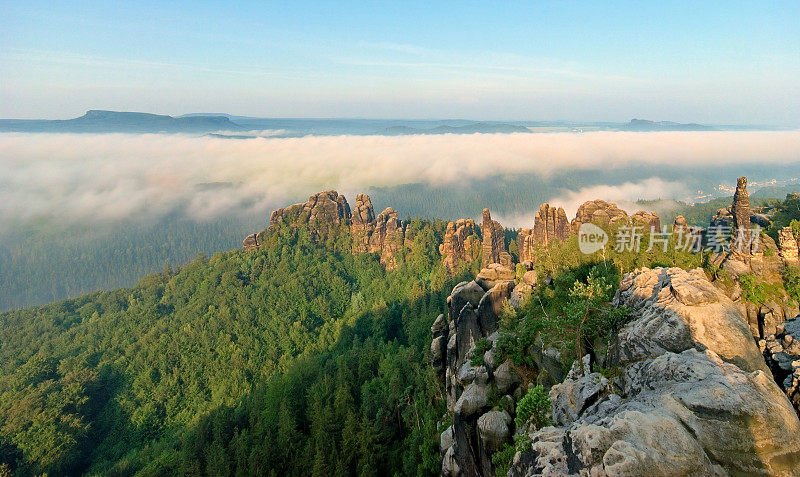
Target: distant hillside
x=485 y=128
x=98 y=121
x=646 y=125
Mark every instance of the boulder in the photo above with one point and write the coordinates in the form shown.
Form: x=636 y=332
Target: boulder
x=493 y=274
x=505 y=378
x=473 y=400
x=493 y=428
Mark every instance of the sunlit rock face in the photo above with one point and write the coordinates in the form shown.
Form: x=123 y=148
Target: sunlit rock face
x=598 y=212
x=690 y=396
x=328 y=213
x=494 y=242
x=549 y=225
x=460 y=244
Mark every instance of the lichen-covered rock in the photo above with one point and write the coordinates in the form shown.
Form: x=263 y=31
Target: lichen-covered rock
x=505 y=378
x=685 y=402
x=782 y=354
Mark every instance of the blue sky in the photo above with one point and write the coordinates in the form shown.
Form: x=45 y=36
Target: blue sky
x=722 y=62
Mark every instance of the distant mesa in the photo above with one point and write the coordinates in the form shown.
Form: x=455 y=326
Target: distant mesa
x=100 y=121
x=646 y=125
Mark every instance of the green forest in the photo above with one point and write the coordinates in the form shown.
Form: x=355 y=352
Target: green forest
x=296 y=358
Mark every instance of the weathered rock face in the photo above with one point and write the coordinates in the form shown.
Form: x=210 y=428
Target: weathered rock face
x=787 y=243
x=688 y=400
x=252 y=241
x=323 y=213
x=763 y=318
x=460 y=243
x=782 y=354
x=549 y=224
x=676 y=309
x=327 y=213
x=382 y=234
x=598 y=212
x=477 y=430
x=680 y=224
x=494 y=242
x=649 y=220
x=740 y=209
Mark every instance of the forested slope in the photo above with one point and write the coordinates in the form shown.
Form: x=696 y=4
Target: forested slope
x=294 y=358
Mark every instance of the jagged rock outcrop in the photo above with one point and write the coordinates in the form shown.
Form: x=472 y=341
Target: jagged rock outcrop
x=327 y=213
x=493 y=246
x=472 y=381
x=549 y=224
x=598 y=212
x=362 y=223
x=460 y=243
x=649 y=220
x=782 y=354
x=740 y=210
x=382 y=234
x=252 y=241
x=323 y=213
x=691 y=397
x=787 y=244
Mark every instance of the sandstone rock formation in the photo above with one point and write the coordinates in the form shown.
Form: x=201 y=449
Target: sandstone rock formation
x=740 y=210
x=460 y=243
x=598 y=212
x=493 y=246
x=328 y=213
x=787 y=243
x=549 y=224
x=323 y=213
x=692 y=395
x=382 y=234
x=649 y=220
x=680 y=225
x=477 y=431
x=252 y=241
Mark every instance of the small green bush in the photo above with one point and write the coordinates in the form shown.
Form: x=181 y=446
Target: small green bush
x=534 y=406
x=481 y=346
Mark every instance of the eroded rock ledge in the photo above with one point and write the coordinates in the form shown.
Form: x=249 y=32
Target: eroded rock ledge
x=692 y=395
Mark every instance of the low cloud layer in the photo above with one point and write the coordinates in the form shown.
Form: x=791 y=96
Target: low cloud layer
x=122 y=176
x=624 y=195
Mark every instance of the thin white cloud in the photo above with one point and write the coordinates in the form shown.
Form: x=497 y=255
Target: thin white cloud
x=122 y=176
x=624 y=195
